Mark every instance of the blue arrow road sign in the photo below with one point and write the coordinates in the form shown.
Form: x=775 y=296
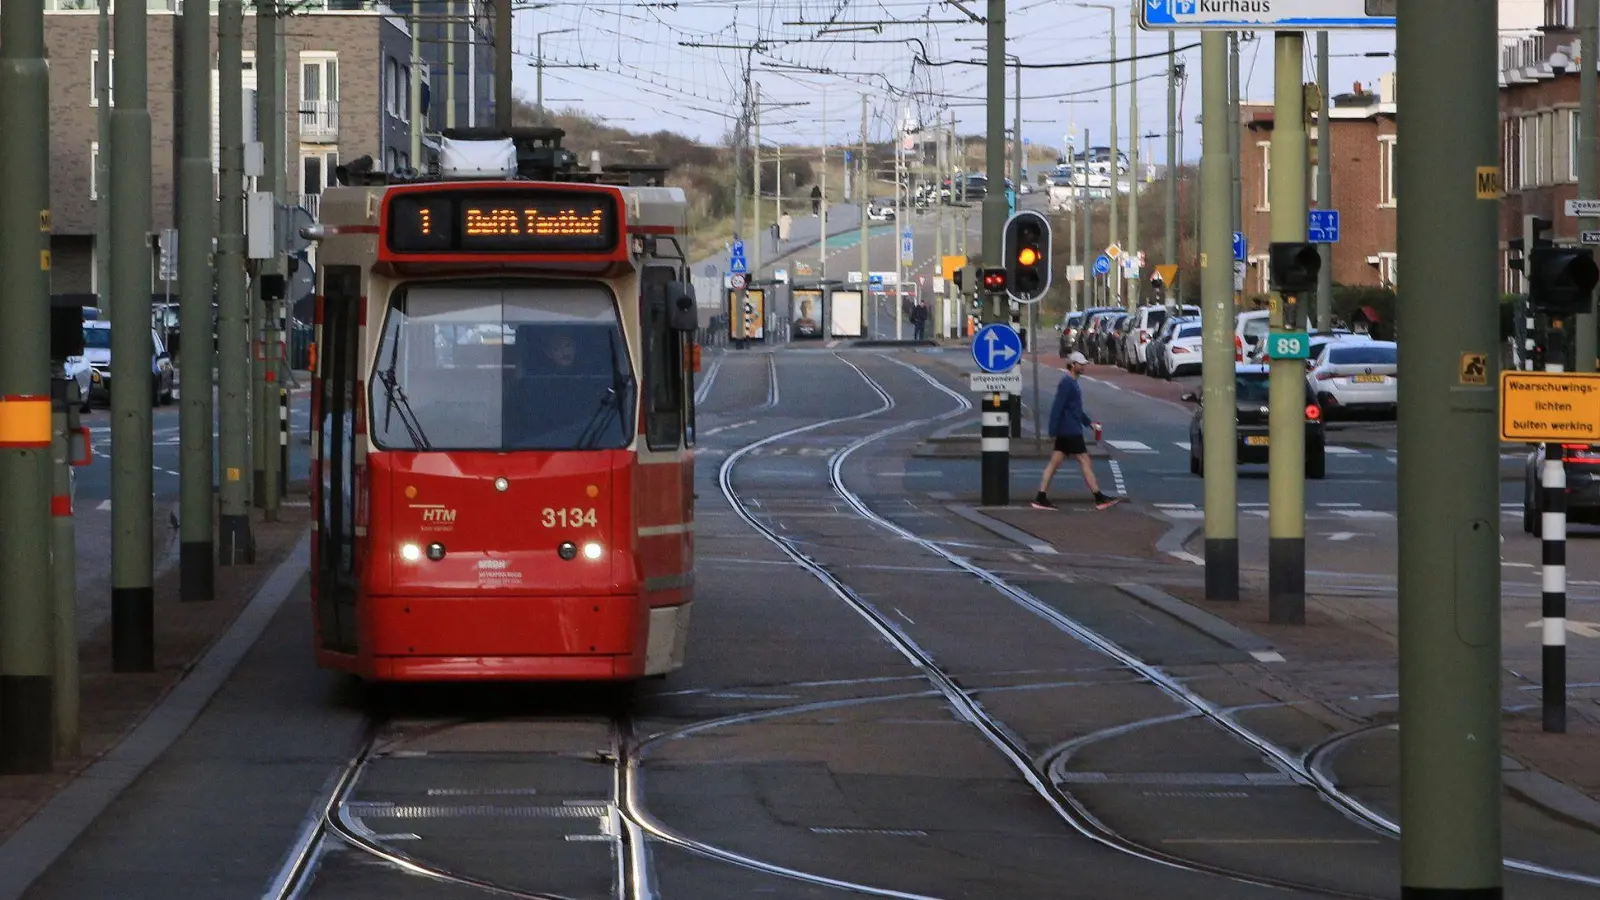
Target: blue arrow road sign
x=1295 y=15
x=737 y=265
x=1323 y=227
x=996 y=348
x=1241 y=248
x=1102 y=265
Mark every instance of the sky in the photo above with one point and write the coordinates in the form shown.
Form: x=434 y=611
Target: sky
x=641 y=76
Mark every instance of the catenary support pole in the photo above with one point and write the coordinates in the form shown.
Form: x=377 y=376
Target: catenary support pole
x=266 y=67
x=822 y=221
x=1235 y=159
x=1135 y=288
x=132 y=562
x=1324 y=183
x=234 y=531
x=102 y=162
x=1217 y=453
x=414 y=102
x=1018 y=149
x=1588 y=111
x=196 y=208
x=1449 y=492
x=1114 y=278
x=1089 y=298
x=1286 y=461
x=274 y=342
x=1169 y=250
x=63 y=570
x=502 y=65
x=756 y=238
x=996 y=474
x=867 y=302
x=27 y=734
x=450 y=64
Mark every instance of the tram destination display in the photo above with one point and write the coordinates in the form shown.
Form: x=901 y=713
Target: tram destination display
x=502 y=220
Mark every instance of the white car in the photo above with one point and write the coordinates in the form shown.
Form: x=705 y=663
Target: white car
x=1183 y=350
x=1356 y=374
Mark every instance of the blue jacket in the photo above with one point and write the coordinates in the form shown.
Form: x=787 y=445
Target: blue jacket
x=1066 y=414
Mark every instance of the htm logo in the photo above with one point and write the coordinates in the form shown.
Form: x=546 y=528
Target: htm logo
x=438 y=515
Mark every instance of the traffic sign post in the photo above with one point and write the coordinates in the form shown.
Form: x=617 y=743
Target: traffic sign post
x=1288 y=345
x=996 y=348
x=1279 y=15
x=1322 y=226
x=1102 y=265
x=1241 y=247
x=1549 y=407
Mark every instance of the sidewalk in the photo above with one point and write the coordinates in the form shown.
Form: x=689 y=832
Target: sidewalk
x=112 y=704
x=1343 y=662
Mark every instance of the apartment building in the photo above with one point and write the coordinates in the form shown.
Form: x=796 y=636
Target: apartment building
x=346 y=81
x=1361 y=153
x=1539 y=129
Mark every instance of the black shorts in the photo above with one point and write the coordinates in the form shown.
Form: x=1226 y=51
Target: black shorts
x=1071 y=444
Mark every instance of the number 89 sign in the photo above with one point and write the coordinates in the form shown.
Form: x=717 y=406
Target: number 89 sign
x=1289 y=345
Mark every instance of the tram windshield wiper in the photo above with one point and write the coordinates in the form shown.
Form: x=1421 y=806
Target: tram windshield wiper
x=612 y=398
x=396 y=398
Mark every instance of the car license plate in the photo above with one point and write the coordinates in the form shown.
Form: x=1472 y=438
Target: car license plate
x=1256 y=440
x=1369 y=379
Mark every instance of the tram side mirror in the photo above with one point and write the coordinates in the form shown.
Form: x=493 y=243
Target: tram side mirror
x=682 y=311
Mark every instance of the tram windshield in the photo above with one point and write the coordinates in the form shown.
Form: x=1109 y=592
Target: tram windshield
x=502 y=365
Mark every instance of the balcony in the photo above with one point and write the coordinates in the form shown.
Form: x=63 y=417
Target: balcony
x=319 y=121
x=311 y=203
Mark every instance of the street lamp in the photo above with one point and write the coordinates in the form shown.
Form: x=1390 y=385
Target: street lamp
x=538 y=43
x=1113 y=11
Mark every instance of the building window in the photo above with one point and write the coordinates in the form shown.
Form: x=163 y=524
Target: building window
x=1572 y=144
x=94 y=77
x=1511 y=153
x=1387 y=270
x=392 y=83
x=1315 y=169
x=1266 y=176
x=1386 y=170
x=1530 y=151
x=94 y=170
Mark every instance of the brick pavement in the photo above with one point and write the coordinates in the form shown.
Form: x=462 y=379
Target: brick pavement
x=1344 y=660
x=113 y=704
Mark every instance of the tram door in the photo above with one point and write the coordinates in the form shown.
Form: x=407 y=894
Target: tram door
x=338 y=367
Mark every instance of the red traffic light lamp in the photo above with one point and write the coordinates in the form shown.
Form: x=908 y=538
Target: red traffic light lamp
x=994 y=280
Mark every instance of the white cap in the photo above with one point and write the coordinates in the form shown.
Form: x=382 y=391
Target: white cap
x=1077 y=359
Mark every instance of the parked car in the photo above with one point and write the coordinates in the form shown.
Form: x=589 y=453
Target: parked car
x=97 y=351
x=1157 y=365
x=1251 y=392
x=1181 y=354
x=1582 y=464
x=1355 y=375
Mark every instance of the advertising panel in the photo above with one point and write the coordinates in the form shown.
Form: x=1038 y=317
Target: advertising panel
x=844 y=317
x=808 y=314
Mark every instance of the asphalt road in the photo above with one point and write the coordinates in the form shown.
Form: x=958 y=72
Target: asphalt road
x=859 y=715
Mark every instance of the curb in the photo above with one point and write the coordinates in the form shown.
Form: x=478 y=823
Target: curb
x=1556 y=799
x=1009 y=532
x=45 y=837
x=1202 y=621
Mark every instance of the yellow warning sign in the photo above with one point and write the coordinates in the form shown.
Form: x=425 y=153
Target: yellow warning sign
x=1489 y=183
x=949 y=264
x=1536 y=407
x=1474 y=368
x=1202 y=260
x=44 y=260
x=44 y=220
x=233 y=473
x=1169 y=274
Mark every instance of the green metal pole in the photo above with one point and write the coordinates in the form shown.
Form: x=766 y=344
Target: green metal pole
x=27 y=734
x=1169 y=249
x=197 y=552
x=1324 y=183
x=102 y=169
x=63 y=571
x=233 y=336
x=1286 y=463
x=871 y=322
x=269 y=127
x=994 y=201
x=1114 y=277
x=1219 y=431
x=755 y=185
x=1134 y=292
x=132 y=560
x=1449 y=492
x=1018 y=162
x=1090 y=296
x=1588 y=103
x=502 y=65
x=1235 y=158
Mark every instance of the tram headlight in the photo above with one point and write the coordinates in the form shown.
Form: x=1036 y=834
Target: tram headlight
x=410 y=552
x=591 y=550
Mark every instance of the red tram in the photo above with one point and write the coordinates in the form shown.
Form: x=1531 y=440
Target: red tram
x=502 y=465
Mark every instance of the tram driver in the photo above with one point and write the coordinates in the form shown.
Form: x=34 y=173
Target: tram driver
x=565 y=392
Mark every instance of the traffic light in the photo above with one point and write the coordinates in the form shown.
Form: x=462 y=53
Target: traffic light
x=1561 y=279
x=1158 y=291
x=1293 y=266
x=994 y=280
x=1027 y=255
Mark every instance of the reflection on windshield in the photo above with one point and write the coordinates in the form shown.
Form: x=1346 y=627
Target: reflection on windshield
x=1362 y=356
x=504 y=365
x=1251 y=389
x=98 y=338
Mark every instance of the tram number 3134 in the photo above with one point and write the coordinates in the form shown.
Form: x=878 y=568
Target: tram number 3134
x=568 y=518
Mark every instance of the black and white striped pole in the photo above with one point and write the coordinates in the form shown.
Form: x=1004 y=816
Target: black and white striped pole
x=1553 y=512
x=996 y=439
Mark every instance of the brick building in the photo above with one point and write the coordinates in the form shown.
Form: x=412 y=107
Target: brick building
x=346 y=71
x=1362 y=138
x=1539 y=130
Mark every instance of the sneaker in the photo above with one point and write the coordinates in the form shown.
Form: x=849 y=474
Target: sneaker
x=1042 y=502
x=1102 y=501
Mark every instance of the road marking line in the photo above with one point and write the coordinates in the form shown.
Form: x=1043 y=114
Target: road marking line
x=1341 y=535
x=1132 y=446
x=1116 y=476
x=1267 y=656
x=1346 y=505
x=1186 y=556
x=104 y=505
x=1268 y=841
x=903 y=615
x=1344 y=451
x=1182 y=445
x=1363 y=513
